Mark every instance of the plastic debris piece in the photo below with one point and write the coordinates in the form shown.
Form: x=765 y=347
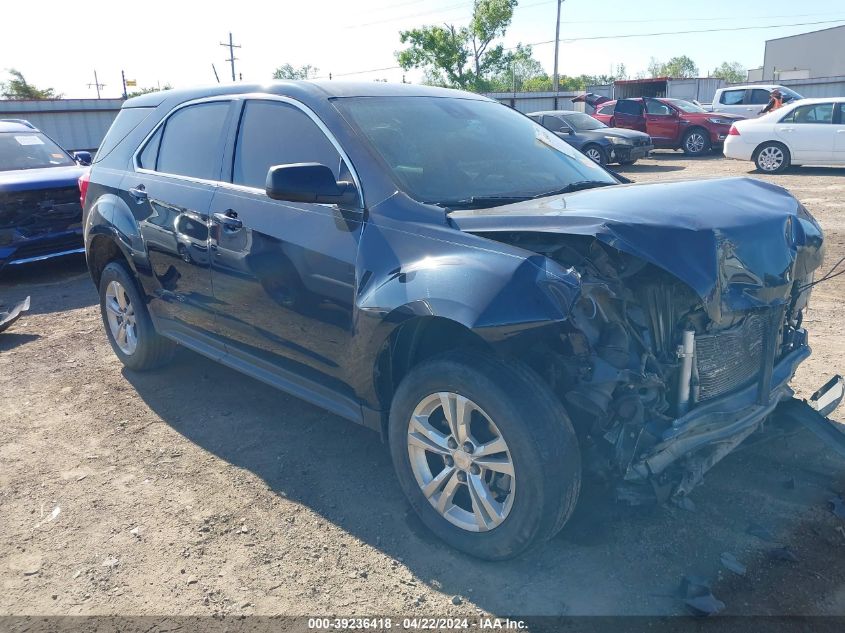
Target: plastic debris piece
x=761 y=532
x=837 y=506
x=7 y=318
x=783 y=553
x=731 y=563
x=703 y=606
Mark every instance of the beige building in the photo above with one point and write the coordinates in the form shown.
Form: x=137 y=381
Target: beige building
x=805 y=56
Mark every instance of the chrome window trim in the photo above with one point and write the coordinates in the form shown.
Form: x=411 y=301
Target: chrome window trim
x=244 y=97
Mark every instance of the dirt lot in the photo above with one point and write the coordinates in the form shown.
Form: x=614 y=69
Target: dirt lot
x=196 y=490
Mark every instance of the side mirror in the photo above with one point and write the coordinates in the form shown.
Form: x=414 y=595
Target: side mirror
x=309 y=182
x=83 y=158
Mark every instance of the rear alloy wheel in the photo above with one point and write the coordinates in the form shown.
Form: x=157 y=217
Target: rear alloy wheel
x=696 y=142
x=128 y=325
x=772 y=158
x=595 y=154
x=484 y=452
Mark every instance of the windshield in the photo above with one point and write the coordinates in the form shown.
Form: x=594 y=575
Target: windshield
x=443 y=149
x=30 y=150
x=685 y=106
x=789 y=95
x=580 y=121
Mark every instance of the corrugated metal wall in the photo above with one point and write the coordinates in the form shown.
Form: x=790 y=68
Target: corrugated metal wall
x=75 y=124
x=538 y=101
x=820 y=87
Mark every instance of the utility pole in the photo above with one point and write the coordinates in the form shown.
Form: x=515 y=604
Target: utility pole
x=556 y=80
x=97 y=84
x=123 y=79
x=232 y=57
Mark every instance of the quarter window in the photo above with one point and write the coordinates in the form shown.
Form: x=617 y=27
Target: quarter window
x=732 y=97
x=608 y=109
x=815 y=113
x=192 y=141
x=274 y=133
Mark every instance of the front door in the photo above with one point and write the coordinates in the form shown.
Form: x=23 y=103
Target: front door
x=662 y=122
x=169 y=193
x=283 y=272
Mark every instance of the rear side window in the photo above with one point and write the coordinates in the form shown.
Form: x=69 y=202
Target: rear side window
x=127 y=120
x=608 y=109
x=192 y=141
x=627 y=106
x=815 y=113
x=732 y=97
x=759 y=97
x=274 y=133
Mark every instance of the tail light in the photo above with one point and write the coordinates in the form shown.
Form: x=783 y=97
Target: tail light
x=84 y=179
x=733 y=131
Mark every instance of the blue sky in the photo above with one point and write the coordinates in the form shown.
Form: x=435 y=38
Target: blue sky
x=163 y=41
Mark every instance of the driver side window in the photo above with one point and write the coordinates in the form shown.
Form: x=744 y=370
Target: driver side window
x=657 y=107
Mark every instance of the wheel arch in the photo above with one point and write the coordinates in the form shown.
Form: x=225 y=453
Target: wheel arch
x=104 y=248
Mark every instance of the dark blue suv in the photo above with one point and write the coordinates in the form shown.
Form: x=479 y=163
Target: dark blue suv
x=40 y=212
x=440 y=268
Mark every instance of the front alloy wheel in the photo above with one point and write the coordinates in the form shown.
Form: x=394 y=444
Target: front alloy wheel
x=120 y=314
x=696 y=142
x=461 y=462
x=595 y=154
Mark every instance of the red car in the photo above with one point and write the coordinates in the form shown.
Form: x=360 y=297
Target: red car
x=671 y=123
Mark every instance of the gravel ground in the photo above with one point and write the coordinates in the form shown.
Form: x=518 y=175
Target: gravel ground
x=195 y=490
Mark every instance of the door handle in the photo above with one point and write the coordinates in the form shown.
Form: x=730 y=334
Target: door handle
x=229 y=219
x=787 y=129
x=842 y=131
x=139 y=193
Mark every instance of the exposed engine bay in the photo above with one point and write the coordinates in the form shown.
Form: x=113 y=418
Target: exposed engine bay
x=641 y=352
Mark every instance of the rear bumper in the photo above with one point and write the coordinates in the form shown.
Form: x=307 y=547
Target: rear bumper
x=713 y=429
x=737 y=149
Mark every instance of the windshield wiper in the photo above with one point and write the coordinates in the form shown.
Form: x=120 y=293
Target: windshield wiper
x=575 y=186
x=479 y=202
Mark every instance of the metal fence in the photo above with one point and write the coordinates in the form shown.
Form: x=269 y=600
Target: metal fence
x=75 y=124
x=538 y=101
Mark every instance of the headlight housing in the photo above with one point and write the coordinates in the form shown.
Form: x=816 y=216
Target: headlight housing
x=616 y=140
x=720 y=121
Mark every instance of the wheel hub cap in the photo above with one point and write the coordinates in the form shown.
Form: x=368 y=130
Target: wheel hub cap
x=461 y=462
x=120 y=314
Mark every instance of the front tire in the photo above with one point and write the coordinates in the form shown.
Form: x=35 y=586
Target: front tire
x=485 y=453
x=772 y=158
x=696 y=142
x=595 y=154
x=128 y=325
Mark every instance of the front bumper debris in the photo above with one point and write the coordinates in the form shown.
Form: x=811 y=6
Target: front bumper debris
x=7 y=318
x=812 y=413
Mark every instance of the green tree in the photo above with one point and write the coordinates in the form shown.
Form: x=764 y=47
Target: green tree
x=463 y=57
x=286 y=71
x=732 y=72
x=678 y=67
x=18 y=88
x=144 y=91
x=519 y=68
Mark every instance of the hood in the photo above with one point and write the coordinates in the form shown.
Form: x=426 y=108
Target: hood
x=697 y=116
x=739 y=243
x=44 y=178
x=620 y=133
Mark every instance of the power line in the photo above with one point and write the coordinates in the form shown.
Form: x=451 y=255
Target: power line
x=623 y=36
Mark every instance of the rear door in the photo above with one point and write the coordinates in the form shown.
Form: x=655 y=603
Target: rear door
x=809 y=132
x=662 y=122
x=283 y=272
x=169 y=192
x=629 y=114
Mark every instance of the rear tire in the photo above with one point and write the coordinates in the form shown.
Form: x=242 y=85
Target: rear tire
x=456 y=481
x=696 y=142
x=772 y=158
x=128 y=325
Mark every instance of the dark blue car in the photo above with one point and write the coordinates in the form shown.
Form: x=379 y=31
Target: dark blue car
x=438 y=267
x=40 y=210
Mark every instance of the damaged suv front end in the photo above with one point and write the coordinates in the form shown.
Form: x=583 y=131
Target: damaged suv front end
x=688 y=325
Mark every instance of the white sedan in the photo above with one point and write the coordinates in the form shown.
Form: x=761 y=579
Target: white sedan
x=809 y=131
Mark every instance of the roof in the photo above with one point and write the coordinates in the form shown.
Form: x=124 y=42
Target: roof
x=16 y=125
x=301 y=89
x=786 y=37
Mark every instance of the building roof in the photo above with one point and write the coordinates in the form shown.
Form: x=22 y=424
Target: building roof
x=786 y=37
